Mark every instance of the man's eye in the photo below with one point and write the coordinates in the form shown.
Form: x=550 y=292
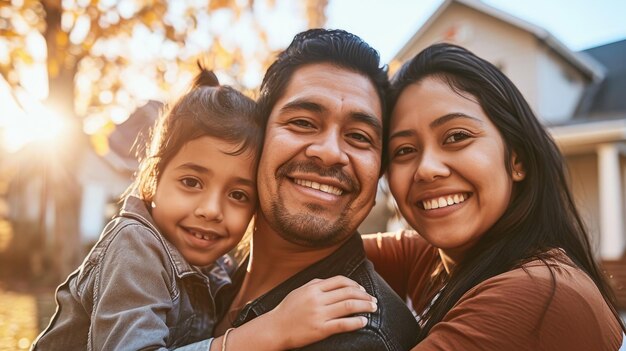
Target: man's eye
x=191 y=183
x=239 y=195
x=302 y=123
x=360 y=137
x=456 y=137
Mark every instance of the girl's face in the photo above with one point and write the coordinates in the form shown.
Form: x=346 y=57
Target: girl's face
x=205 y=199
x=447 y=168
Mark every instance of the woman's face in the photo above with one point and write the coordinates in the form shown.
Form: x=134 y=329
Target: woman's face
x=447 y=168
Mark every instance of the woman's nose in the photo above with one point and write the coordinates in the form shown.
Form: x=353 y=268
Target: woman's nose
x=430 y=167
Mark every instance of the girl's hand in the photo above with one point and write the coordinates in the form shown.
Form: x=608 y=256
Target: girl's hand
x=318 y=310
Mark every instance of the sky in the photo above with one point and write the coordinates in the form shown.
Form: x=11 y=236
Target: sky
x=387 y=25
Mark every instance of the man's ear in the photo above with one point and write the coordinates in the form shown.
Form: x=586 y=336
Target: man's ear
x=519 y=172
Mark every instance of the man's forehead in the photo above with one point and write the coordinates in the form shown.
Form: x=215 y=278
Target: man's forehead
x=328 y=83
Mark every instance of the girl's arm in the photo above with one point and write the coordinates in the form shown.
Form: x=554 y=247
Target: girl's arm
x=308 y=314
x=131 y=294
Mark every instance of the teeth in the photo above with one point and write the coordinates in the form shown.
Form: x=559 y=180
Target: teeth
x=443 y=201
x=427 y=205
x=204 y=236
x=321 y=187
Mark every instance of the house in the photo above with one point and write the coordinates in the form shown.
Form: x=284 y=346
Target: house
x=105 y=177
x=579 y=96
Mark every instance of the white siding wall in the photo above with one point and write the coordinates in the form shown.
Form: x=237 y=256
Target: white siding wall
x=510 y=48
x=551 y=86
x=559 y=87
x=101 y=184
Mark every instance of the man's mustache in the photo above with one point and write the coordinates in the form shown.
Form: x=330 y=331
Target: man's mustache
x=349 y=183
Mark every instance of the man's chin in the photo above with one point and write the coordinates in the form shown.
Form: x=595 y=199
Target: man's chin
x=311 y=231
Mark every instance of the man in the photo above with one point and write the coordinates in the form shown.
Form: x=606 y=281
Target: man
x=323 y=101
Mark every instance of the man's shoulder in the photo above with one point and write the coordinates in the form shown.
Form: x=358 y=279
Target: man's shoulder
x=392 y=326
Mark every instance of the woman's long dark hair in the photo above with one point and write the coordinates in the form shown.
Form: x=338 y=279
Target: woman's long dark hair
x=541 y=214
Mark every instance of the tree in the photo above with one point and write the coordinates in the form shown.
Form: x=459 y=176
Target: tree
x=102 y=58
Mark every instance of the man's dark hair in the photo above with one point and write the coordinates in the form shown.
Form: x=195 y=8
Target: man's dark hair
x=336 y=47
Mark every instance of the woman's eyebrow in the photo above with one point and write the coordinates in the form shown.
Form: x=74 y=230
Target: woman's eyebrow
x=450 y=116
x=402 y=133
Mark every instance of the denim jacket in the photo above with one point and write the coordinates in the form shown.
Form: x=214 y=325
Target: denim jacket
x=134 y=291
x=392 y=327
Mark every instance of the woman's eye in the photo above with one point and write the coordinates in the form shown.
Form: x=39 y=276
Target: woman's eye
x=239 y=196
x=404 y=151
x=191 y=183
x=456 y=137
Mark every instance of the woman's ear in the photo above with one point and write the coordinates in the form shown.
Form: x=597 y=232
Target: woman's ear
x=519 y=173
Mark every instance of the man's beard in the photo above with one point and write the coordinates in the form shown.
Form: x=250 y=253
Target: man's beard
x=307 y=228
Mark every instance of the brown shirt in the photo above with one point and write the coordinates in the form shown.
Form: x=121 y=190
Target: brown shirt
x=503 y=312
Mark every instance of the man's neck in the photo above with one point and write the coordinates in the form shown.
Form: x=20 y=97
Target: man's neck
x=273 y=259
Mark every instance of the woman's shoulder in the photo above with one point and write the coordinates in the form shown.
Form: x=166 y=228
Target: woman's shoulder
x=408 y=241
x=553 y=277
x=550 y=298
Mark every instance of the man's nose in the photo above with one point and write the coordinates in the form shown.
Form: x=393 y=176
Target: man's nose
x=328 y=149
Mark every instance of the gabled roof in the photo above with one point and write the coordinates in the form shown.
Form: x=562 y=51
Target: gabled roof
x=588 y=68
x=130 y=137
x=607 y=99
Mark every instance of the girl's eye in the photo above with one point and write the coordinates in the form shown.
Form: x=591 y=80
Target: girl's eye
x=456 y=137
x=191 y=183
x=239 y=195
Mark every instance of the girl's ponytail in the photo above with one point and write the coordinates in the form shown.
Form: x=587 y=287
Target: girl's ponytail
x=205 y=78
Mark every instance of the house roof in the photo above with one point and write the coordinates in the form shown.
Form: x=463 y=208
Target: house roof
x=130 y=137
x=606 y=99
x=588 y=68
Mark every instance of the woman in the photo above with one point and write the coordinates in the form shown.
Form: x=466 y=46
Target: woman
x=503 y=261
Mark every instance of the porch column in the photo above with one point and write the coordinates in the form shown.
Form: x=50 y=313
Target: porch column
x=611 y=209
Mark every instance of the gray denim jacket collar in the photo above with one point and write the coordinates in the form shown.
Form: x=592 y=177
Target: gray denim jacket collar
x=135 y=208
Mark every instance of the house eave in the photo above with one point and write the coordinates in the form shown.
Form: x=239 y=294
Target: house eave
x=583 y=137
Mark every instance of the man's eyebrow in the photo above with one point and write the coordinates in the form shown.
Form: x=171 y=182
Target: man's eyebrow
x=364 y=117
x=370 y=120
x=302 y=104
x=450 y=116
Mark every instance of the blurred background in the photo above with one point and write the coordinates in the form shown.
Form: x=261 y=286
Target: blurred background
x=81 y=80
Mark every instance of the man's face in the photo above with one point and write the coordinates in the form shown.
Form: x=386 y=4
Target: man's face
x=321 y=158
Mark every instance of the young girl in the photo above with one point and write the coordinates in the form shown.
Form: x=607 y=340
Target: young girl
x=503 y=261
x=150 y=280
